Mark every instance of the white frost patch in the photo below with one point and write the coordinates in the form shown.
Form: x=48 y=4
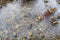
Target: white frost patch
x=12 y=14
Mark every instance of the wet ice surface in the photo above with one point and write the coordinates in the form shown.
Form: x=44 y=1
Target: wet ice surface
x=12 y=15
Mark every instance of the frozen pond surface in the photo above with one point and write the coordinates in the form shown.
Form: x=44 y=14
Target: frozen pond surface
x=12 y=17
